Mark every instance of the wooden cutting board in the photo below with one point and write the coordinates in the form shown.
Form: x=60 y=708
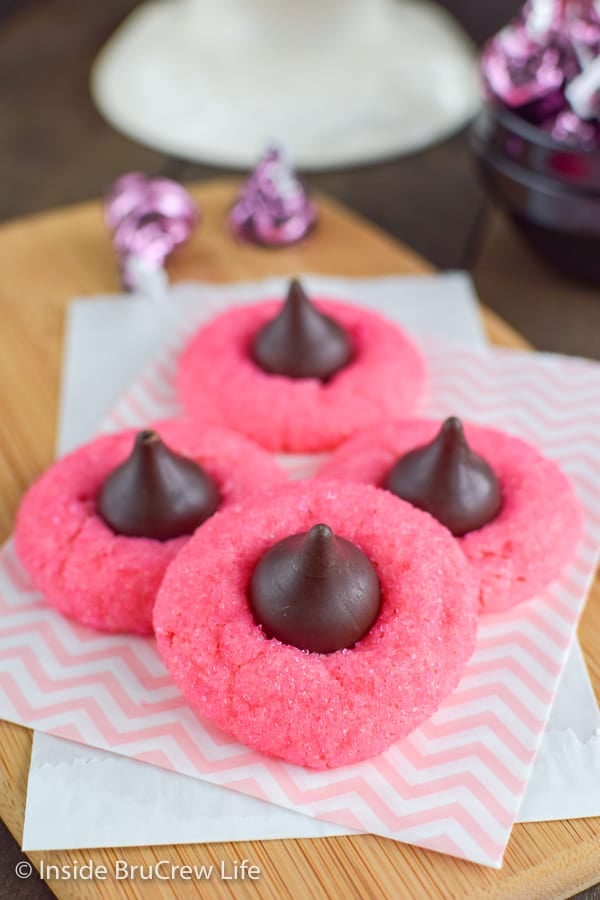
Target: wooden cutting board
x=48 y=259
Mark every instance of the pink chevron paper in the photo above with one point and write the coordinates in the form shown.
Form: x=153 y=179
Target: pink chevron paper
x=456 y=783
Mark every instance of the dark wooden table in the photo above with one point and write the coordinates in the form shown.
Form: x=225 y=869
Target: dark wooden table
x=55 y=149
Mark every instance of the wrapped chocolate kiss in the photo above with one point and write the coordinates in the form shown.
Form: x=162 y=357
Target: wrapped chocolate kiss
x=273 y=208
x=583 y=29
x=148 y=217
x=524 y=66
x=583 y=93
x=569 y=129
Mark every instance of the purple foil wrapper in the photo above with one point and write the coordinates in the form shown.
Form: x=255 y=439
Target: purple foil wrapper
x=148 y=218
x=544 y=18
x=273 y=209
x=545 y=65
x=567 y=128
x=583 y=29
x=518 y=70
x=583 y=92
x=532 y=58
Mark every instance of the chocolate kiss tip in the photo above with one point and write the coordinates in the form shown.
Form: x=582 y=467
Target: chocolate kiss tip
x=453 y=424
x=147 y=437
x=448 y=480
x=300 y=341
x=318 y=551
x=296 y=291
x=156 y=493
x=315 y=591
x=296 y=295
x=452 y=434
x=319 y=534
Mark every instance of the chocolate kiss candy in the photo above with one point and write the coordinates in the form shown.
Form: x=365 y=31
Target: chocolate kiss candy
x=300 y=341
x=448 y=480
x=156 y=493
x=315 y=591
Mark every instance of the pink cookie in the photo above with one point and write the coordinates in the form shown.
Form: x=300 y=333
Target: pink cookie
x=312 y=709
x=219 y=382
x=529 y=542
x=103 y=579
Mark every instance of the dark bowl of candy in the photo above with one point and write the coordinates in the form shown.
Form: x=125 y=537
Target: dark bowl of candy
x=550 y=190
x=537 y=138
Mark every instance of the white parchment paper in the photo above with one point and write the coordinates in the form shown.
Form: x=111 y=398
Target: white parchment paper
x=83 y=797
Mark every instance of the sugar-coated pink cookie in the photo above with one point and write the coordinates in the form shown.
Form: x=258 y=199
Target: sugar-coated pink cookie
x=103 y=579
x=313 y=709
x=522 y=550
x=219 y=382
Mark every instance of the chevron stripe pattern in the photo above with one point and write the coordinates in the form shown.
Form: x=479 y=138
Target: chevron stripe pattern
x=455 y=784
